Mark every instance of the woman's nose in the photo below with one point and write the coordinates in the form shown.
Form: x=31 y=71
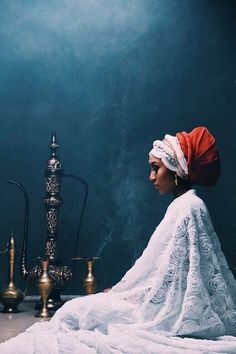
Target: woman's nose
x=152 y=176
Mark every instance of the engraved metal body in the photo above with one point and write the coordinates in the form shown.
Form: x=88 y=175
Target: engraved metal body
x=60 y=274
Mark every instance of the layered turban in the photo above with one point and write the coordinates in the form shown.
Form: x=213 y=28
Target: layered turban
x=193 y=156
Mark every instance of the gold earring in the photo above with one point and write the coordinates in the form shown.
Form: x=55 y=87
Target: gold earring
x=176 y=180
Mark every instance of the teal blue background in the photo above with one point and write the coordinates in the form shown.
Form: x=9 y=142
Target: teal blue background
x=110 y=77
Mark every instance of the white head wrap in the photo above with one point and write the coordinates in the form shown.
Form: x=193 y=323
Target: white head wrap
x=171 y=154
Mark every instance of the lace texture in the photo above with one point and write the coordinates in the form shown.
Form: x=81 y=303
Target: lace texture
x=179 y=290
x=187 y=288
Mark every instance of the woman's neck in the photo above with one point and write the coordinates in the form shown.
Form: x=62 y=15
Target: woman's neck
x=177 y=192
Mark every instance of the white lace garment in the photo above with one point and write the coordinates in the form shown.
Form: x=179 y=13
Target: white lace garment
x=179 y=297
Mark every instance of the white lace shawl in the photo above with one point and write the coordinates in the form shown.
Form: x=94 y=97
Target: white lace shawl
x=180 y=287
x=182 y=282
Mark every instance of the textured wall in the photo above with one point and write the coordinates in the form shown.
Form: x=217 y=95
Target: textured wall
x=111 y=76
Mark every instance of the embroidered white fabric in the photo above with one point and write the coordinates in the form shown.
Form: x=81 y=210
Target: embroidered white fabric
x=171 y=154
x=178 y=297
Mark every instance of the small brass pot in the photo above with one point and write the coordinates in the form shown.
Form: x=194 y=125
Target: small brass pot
x=11 y=296
x=45 y=286
x=89 y=282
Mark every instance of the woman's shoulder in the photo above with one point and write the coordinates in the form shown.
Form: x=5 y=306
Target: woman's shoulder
x=188 y=204
x=193 y=198
x=191 y=202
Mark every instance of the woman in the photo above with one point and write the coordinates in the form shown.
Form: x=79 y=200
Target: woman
x=180 y=287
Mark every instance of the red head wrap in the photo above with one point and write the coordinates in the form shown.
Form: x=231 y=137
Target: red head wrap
x=201 y=153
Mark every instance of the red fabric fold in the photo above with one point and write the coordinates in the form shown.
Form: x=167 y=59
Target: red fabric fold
x=202 y=155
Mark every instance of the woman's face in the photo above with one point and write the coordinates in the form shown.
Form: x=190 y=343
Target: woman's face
x=160 y=176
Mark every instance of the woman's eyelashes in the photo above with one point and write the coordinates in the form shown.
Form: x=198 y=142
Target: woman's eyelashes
x=154 y=168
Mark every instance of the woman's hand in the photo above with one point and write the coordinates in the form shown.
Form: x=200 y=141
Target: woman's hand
x=106 y=290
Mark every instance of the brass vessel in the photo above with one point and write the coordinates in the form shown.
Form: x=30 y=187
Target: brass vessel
x=60 y=274
x=45 y=286
x=89 y=281
x=11 y=296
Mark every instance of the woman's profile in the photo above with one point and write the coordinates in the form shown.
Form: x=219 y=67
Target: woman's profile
x=180 y=294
